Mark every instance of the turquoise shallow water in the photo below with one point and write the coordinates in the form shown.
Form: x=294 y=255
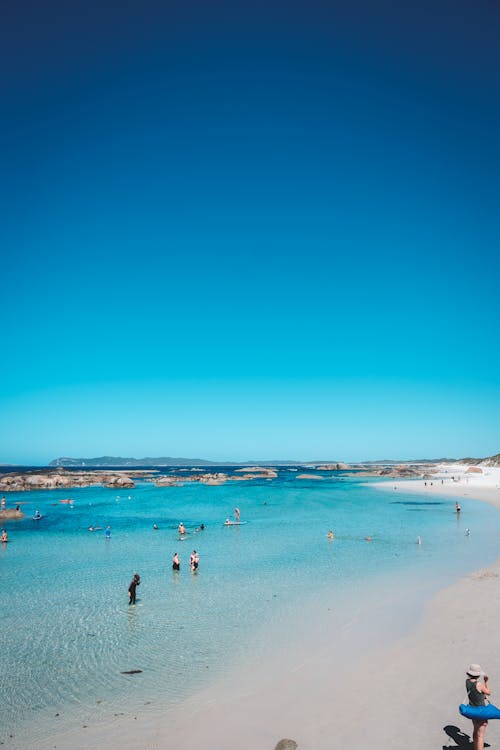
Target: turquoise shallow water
x=68 y=632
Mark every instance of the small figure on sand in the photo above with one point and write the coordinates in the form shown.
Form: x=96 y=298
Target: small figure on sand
x=194 y=560
x=181 y=529
x=477 y=692
x=237 y=514
x=108 y=532
x=457 y=508
x=4 y=536
x=176 y=563
x=136 y=581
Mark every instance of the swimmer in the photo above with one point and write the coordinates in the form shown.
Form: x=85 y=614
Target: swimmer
x=202 y=527
x=330 y=535
x=457 y=508
x=155 y=526
x=181 y=529
x=4 y=537
x=37 y=514
x=3 y=502
x=176 y=563
x=368 y=538
x=108 y=532
x=419 y=540
x=237 y=514
x=467 y=532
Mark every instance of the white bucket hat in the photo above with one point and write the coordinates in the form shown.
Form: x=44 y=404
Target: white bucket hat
x=474 y=670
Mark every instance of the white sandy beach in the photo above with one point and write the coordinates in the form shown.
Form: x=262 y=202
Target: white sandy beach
x=400 y=690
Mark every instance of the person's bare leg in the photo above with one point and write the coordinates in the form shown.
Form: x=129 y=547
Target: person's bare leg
x=478 y=735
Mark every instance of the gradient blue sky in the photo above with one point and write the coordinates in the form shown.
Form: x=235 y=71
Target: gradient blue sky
x=235 y=231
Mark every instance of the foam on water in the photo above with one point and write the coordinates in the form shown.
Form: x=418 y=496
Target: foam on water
x=68 y=633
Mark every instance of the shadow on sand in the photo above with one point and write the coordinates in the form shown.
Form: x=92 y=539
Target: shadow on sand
x=460 y=739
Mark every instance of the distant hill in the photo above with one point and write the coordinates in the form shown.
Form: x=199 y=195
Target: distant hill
x=119 y=461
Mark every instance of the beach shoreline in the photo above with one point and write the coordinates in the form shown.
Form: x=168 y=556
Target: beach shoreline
x=328 y=692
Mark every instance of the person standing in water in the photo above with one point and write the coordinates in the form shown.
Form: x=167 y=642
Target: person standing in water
x=108 y=532
x=136 y=581
x=176 y=563
x=194 y=560
x=181 y=529
x=237 y=514
x=477 y=692
x=457 y=508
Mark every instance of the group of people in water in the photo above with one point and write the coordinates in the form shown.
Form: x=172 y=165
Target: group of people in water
x=194 y=560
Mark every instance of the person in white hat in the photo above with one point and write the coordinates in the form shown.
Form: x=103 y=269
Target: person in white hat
x=477 y=692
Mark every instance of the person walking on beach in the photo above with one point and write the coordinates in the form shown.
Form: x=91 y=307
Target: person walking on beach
x=136 y=581
x=477 y=692
x=176 y=563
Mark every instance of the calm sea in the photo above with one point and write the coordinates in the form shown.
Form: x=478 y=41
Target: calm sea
x=68 y=633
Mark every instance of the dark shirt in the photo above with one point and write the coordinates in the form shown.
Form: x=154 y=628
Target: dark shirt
x=475 y=697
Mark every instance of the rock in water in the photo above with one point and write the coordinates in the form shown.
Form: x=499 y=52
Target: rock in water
x=286 y=745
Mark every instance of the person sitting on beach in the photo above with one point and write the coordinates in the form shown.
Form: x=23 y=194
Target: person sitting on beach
x=477 y=692
x=176 y=563
x=136 y=581
x=4 y=537
x=181 y=529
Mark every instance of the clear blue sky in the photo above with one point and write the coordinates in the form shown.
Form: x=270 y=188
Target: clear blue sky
x=263 y=230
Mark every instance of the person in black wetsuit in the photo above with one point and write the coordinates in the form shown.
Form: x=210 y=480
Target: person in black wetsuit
x=477 y=692
x=136 y=580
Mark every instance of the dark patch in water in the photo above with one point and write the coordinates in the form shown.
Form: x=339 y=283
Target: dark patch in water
x=414 y=502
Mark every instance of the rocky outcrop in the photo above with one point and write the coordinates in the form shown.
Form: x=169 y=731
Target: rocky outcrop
x=333 y=467
x=60 y=479
x=212 y=478
x=119 y=482
x=286 y=745
x=309 y=476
